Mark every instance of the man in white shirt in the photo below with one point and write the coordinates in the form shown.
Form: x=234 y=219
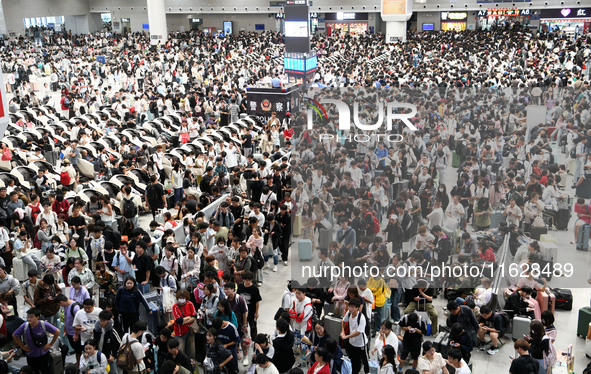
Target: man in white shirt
x=435 y=218
x=85 y=320
x=454 y=358
x=367 y=296
x=356 y=335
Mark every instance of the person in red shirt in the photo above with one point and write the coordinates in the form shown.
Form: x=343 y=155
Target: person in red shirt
x=486 y=252
x=583 y=212
x=184 y=315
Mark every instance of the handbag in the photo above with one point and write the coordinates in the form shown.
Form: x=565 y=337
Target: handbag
x=538 y=222
x=208 y=364
x=194 y=327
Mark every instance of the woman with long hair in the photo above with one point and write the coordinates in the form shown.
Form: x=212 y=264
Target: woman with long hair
x=482 y=213
x=443 y=196
x=217 y=356
x=540 y=344
x=225 y=312
x=388 y=360
x=177 y=179
x=127 y=302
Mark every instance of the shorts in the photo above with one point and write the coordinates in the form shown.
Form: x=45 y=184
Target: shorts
x=501 y=333
x=76 y=345
x=414 y=352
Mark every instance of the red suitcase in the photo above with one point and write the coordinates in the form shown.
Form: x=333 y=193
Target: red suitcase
x=547 y=300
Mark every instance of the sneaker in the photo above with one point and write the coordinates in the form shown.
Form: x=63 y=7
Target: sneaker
x=275 y=268
x=265 y=266
x=245 y=362
x=239 y=355
x=492 y=351
x=285 y=263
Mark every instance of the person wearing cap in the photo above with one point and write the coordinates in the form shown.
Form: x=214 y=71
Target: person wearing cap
x=29 y=287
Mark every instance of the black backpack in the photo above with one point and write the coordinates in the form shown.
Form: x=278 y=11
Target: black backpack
x=258 y=258
x=129 y=208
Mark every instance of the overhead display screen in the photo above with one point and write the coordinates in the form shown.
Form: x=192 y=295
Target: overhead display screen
x=296 y=29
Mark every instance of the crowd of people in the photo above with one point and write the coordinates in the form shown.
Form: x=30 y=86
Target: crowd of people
x=386 y=204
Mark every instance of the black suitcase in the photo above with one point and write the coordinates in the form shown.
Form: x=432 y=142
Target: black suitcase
x=536 y=232
x=441 y=343
x=563 y=216
x=564 y=298
x=200 y=343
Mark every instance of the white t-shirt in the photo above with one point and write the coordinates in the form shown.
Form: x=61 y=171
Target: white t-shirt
x=435 y=218
x=137 y=349
x=360 y=340
x=464 y=369
x=367 y=294
x=433 y=366
x=87 y=320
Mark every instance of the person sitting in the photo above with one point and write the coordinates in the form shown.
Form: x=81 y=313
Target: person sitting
x=517 y=303
x=492 y=324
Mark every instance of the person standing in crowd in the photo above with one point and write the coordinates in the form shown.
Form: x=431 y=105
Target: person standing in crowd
x=36 y=343
x=356 y=335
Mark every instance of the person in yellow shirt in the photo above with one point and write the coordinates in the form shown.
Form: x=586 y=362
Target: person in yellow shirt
x=380 y=291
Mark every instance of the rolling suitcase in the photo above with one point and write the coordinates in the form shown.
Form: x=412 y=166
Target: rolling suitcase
x=56 y=363
x=583 y=238
x=455 y=160
x=441 y=343
x=19 y=269
x=549 y=251
x=547 y=300
x=332 y=325
x=520 y=327
x=564 y=298
x=200 y=346
x=583 y=321
x=324 y=238
x=563 y=216
x=305 y=249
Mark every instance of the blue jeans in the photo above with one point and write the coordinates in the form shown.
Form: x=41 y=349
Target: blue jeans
x=394 y=308
x=178 y=195
x=275 y=256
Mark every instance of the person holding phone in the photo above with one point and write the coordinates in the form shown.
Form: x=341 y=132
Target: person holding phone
x=93 y=361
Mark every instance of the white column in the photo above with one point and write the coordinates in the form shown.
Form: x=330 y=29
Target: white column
x=157 y=21
x=395 y=13
x=395 y=30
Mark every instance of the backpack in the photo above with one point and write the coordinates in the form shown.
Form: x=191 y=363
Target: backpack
x=152 y=194
x=129 y=208
x=74 y=305
x=125 y=358
x=65 y=179
x=254 y=267
x=550 y=358
x=573 y=152
x=506 y=319
x=375 y=224
x=346 y=367
x=258 y=258
x=36 y=241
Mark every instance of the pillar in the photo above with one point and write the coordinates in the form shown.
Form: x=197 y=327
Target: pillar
x=157 y=22
x=395 y=13
x=395 y=30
